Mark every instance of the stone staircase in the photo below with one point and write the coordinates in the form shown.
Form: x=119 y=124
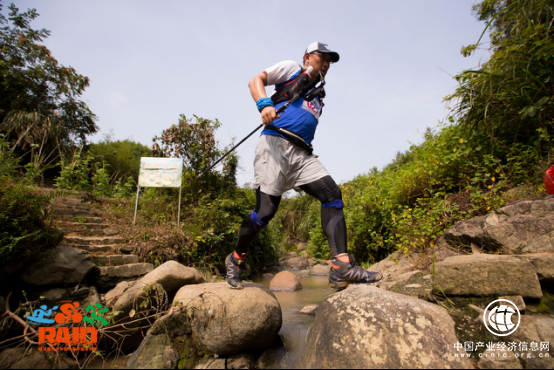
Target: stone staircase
x=84 y=229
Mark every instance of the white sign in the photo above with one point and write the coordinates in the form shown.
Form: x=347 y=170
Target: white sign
x=160 y=172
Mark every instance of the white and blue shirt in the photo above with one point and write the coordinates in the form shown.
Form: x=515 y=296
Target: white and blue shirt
x=301 y=117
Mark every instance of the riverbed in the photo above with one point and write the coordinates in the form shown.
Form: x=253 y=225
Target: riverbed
x=295 y=325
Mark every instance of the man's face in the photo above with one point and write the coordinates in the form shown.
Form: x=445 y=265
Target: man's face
x=319 y=62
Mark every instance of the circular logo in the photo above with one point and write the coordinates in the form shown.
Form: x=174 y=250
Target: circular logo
x=500 y=319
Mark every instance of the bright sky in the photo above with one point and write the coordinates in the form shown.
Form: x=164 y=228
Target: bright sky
x=150 y=61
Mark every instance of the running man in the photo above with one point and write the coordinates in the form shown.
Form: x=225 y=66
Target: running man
x=284 y=160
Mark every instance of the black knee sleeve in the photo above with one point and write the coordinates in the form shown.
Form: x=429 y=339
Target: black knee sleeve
x=332 y=216
x=266 y=207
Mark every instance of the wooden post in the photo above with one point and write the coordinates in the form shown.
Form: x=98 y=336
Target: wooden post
x=179 y=216
x=136 y=206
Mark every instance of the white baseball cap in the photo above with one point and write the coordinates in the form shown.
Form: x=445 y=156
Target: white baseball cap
x=323 y=48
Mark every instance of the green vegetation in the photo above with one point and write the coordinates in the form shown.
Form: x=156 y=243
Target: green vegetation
x=498 y=137
x=121 y=158
x=42 y=117
x=22 y=228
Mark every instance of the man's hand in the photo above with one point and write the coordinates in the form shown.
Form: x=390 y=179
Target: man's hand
x=269 y=114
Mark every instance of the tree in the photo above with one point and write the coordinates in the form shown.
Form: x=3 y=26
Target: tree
x=507 y=105
x=40 y=112
x=121 y=156
x=194 y=142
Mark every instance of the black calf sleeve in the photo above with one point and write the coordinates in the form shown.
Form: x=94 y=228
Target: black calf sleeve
x=332 y=216
x=266 y=207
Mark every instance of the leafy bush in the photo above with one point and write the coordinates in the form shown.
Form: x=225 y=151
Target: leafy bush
x=122 y=157
x=22 y=229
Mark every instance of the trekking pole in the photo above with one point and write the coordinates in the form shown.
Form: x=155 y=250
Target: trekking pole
x=279 y=111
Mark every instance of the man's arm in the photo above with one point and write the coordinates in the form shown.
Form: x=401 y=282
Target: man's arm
x=257 y=89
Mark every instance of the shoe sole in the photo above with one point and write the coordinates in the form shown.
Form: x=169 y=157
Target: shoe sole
x=343 y=284
x=235 y=287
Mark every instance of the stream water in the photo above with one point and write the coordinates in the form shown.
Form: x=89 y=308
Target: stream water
x=295 y=325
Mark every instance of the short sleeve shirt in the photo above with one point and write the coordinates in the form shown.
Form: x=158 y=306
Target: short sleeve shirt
x=301 y=117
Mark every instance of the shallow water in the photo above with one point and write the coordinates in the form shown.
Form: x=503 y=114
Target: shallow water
x=295 y=325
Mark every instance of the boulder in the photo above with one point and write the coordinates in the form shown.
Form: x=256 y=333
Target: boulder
x=296 y=263
x=211 y=363
x=525 y=226
x=54 y=295
x=163 y=344
x=113 y=295
x=487 y=275
x=538 y=329
x=413 y=283
x=154 y=352
x=110 y=276
x=241 y=361
x=229 y=321
x=61 y=265
x=309 y=309
x=544 y=264
x=285 y=281
x=517 y=300
x=467 y=232
x=496 y=359
x=367 y=327
x=171 y=276
x=92 y=298
x=29 y=358
x=320 y=270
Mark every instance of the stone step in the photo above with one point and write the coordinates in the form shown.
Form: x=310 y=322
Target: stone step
x=98 y=249
x=116 y=260
x=80 y=219
x=65 y=202
x=73 y=212
x=92 y=249
x=89 y=232
x=110 y=276
x=63 y=225
x=92 y=240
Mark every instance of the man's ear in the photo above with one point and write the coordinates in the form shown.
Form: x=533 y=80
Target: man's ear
x=306 y=57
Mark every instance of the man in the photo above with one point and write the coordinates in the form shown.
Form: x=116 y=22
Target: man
x=283 y=161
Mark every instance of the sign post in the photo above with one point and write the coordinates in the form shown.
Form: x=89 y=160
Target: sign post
x=160 y=173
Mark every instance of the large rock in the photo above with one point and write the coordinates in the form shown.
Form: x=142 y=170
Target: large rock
x=538 y=329
x=525 y=226
x=30 y=358
x=467 y=232
x=61 y=265
x=367 y=327
x=110 y=276
x=296 y=263
x=496 y=359
x=285 y=281
x=487 y=275
x=544 y=263
x=171 y=276
x=165 y=340
x=320 y=270
x=229 y=321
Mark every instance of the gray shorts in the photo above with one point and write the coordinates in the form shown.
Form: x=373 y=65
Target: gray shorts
x=280 y=166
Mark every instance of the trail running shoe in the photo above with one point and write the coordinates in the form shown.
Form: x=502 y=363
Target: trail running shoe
x=349 y=273
x=235 y=267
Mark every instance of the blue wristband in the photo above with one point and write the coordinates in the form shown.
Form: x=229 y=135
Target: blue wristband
x=264 y=102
